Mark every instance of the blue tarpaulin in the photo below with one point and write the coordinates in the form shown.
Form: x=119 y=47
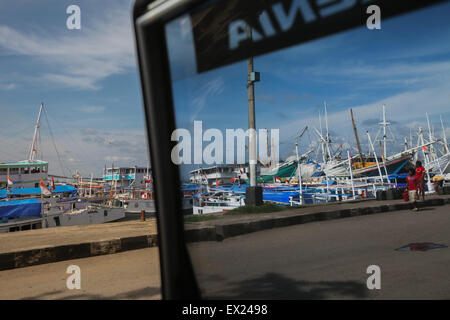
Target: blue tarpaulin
x=190 y=187
x=36 y=191
x=14 y=209
x=398 y=176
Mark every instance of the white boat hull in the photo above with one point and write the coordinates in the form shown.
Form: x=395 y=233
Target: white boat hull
x=91 y=215
x=138 y=205
x=58 y=216
x=440 y=165
x=211 y=209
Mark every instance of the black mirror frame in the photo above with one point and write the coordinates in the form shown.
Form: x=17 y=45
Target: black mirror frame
x=177 y=275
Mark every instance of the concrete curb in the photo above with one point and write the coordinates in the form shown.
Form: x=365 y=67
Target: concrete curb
x=222 y=232
x=34 y=257
x=20 y=259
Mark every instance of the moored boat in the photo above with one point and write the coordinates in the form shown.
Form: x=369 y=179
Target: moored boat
x=34 y=213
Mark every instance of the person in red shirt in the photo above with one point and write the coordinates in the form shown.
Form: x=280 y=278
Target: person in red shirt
x=413 y=187
x=420 y=173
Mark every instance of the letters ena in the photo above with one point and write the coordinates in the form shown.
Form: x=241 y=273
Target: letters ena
x=285 y=19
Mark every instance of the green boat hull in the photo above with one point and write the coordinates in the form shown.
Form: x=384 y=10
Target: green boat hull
x=283 y=172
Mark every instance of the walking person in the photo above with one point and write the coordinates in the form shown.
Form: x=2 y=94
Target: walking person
x=420 y=173
x=412 y=185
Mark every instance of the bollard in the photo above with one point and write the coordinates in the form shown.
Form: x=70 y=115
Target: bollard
x=446 y=190
x=390 y=194
x=381 y=195
x=142 y=215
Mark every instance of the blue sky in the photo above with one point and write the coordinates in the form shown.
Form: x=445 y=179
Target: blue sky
x=86 y=78
x=405 y=66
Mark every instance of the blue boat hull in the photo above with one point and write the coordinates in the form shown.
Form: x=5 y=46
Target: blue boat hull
x=392 y=168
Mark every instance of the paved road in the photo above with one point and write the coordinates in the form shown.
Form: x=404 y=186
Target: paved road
x=328 y=260
x=322 y=260
x=127 y=275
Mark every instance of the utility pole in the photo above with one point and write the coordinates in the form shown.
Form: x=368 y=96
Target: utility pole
x=254 y=194
x=251 y=116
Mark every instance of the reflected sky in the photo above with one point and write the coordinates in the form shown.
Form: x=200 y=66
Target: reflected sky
x=405 y=66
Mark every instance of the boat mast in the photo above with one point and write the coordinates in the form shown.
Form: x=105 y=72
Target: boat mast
x=300 y=185
x=384 y=161
x=327 y=140
x=430 y=135
x=90 y=185
x=351 y=173
x=426 y=154
x=410 y=137
x=432 y=153
x=376 y=158
x=384 y=124
x=422 y=142
x=358 y=145
x=114 y=178
x=32 y=154
x=321 y=141
x=444 y=134
x=146 y=176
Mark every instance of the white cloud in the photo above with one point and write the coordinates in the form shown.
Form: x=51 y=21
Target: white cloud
x=208 y=90
x=382 y=74
x=7 y=87
x=124 y=147
x=92 y=109
x=102 y=48
x=116 y=159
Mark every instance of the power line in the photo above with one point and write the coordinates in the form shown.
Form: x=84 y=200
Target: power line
x=54 y=144
x=81 y=162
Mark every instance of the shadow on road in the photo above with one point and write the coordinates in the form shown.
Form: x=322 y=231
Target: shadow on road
x=274 y=286
x=64 y=295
